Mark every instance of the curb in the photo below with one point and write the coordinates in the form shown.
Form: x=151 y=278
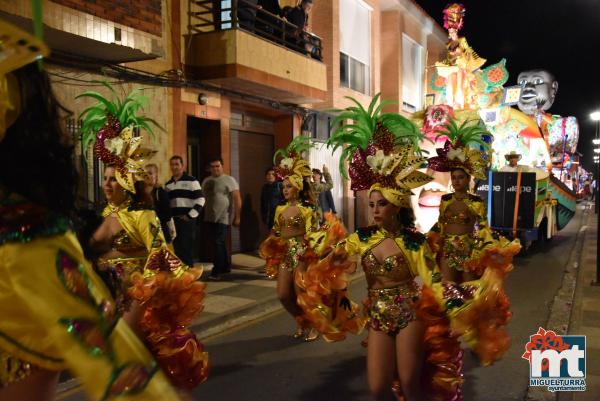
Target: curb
x=559 y=316
x=245 y=315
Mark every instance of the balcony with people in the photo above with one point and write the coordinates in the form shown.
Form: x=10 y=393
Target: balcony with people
x=256 y=46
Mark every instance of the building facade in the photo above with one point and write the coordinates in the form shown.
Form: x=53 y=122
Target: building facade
x=220 y=85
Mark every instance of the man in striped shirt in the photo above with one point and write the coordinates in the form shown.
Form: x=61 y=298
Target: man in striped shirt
x=187 y=201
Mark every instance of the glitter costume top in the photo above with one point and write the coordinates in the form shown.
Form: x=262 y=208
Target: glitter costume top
x=413 y=258
x=306 y=220
x=475 y=212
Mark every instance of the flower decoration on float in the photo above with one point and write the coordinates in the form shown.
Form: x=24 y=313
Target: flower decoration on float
x=17 y=49
x=436 y=118
x=466 y=148
x=291 y=165
x=113 y=127
x=382 y=150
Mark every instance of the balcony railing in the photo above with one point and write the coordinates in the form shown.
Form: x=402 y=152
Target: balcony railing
x=220 y=15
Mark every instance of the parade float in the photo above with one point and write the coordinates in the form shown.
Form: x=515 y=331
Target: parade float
x=462 y=88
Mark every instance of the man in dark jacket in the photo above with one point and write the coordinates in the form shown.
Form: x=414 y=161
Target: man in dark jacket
x=270 y=197
x=299 y=38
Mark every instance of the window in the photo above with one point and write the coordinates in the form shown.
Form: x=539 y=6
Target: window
x=355 y=45
x=412 y=74
x=318 y=124
x=225 y=14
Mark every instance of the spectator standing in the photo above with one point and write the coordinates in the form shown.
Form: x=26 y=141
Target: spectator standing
x=320 y=188
x=187 y=200
x=221 y=191
x=298 y=16
x=587 y=186
x=270 y=197
x=161 y=202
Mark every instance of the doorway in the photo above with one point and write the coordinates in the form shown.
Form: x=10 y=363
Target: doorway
x=253 y=153
x=203 y=142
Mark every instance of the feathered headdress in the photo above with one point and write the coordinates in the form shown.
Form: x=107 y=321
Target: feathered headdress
x=291 y=164
x=111 y=125
x=453 y=16
x=382 y=149
x=17 y=49
x=467 y=148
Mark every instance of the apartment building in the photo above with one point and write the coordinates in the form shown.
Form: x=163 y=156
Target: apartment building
x=372 y=46
x=219 y=86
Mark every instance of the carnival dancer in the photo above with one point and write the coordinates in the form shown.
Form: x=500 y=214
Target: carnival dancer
x=462 y=236
x=464 y=244
x=158 y=294
x=383 y=153
x=413 y=328
x=56 y=313
x=296 y=239
x=460 y=63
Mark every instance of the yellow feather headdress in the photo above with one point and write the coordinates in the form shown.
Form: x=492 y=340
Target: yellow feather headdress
x=291 y=165
x=467 y=148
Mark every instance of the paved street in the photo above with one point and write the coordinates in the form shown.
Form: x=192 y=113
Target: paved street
x=261 y=361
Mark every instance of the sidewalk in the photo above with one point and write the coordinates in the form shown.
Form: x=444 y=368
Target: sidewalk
x=243 y=296
x=585 y=319
x=575 y=309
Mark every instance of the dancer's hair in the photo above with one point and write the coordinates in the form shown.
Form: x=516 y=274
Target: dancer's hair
x=36 y=155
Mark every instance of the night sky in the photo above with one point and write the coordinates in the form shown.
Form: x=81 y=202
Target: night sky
x=560 y=36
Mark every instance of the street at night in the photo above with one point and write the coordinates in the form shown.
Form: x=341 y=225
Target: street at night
x=261 y=361
x=299 y=200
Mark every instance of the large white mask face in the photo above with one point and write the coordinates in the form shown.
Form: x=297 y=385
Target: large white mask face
x=538 y=91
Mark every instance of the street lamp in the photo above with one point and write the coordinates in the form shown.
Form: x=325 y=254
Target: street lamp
x=595 y=116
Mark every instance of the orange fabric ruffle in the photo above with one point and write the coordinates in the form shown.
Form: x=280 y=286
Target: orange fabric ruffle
x=434 y=239
x=334 y=233
x=499 y=257
x=483 y=324
x=273 y=250
x=442 y=373
x=324 y=300
x=170 y=305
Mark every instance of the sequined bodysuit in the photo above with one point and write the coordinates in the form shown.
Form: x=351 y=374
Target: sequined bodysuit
x=390 y=309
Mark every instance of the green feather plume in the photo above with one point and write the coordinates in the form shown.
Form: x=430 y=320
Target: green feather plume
x=469 y=133
x=355 y=128
x=124 y=110
x=298 y=145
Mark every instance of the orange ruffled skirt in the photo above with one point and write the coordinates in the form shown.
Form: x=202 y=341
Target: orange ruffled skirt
x=325 y=283
x=171 y=303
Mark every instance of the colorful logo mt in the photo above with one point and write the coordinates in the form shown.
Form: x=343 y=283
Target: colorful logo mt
x=556 y=362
